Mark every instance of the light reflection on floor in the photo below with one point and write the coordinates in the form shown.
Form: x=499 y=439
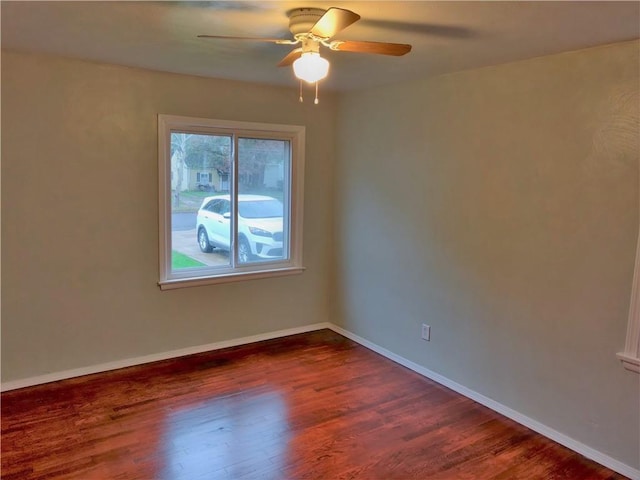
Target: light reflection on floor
x=226 y=437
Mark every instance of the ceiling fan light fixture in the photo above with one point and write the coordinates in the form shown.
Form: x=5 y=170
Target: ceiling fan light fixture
x=311 y=67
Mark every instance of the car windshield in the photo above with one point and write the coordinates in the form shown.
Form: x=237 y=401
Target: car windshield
x=260 y=208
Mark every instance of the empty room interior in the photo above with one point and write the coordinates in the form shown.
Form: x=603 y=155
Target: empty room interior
x=221 y=260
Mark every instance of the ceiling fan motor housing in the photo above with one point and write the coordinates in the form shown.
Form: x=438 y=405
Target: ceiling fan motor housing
x=301 y=20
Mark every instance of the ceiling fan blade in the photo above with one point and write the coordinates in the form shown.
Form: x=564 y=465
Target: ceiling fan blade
x=291 y=57
x=396 y=49
x=333 y=21
x=279 y=41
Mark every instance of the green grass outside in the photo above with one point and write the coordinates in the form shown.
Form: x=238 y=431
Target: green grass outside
x=196 y=195
x=190 y=200
x=269 y=192
x=180 y=260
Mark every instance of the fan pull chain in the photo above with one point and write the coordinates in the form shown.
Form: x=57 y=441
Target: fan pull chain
x=301 y=100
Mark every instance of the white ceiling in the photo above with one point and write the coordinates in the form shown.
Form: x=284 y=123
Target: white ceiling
x=446 y=36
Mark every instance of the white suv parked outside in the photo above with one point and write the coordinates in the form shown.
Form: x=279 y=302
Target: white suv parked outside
x=259 y=226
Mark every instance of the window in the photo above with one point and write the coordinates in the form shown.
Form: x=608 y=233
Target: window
x=204 y=177
x=230 y=200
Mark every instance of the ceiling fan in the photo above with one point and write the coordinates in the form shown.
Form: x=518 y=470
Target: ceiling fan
x=313 y=27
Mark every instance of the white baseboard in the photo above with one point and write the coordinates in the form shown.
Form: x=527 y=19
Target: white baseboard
x=534 y=425
x=542 y=429
x=130 y=362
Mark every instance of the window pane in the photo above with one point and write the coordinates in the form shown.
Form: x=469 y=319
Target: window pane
x=263 y=199
x=200 y=230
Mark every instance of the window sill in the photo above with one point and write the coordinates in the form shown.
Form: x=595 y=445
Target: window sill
x=228 y=278
x=629 y=362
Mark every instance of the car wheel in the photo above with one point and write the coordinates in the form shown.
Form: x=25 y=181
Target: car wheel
x=244 y=251
x=203 y=241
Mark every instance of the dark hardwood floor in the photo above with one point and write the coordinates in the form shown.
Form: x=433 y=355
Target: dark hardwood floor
x=310 y=406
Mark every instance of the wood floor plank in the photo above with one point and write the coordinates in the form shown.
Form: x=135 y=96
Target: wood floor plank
x=309 y=406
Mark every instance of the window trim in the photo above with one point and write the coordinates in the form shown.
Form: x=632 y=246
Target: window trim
x=294 y=133
x=630 y=357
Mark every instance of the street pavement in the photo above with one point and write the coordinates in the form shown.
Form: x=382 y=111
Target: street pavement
x=183 y=220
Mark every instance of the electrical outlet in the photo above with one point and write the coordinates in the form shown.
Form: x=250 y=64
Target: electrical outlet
x=426 y=332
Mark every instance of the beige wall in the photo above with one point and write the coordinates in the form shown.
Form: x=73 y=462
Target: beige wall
x=80 y=216
x=500 y=206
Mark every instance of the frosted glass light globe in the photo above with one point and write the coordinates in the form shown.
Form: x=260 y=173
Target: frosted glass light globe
x=311 y=67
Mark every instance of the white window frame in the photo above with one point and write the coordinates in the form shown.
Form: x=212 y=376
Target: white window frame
x=630 y=357
x=295 y=134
